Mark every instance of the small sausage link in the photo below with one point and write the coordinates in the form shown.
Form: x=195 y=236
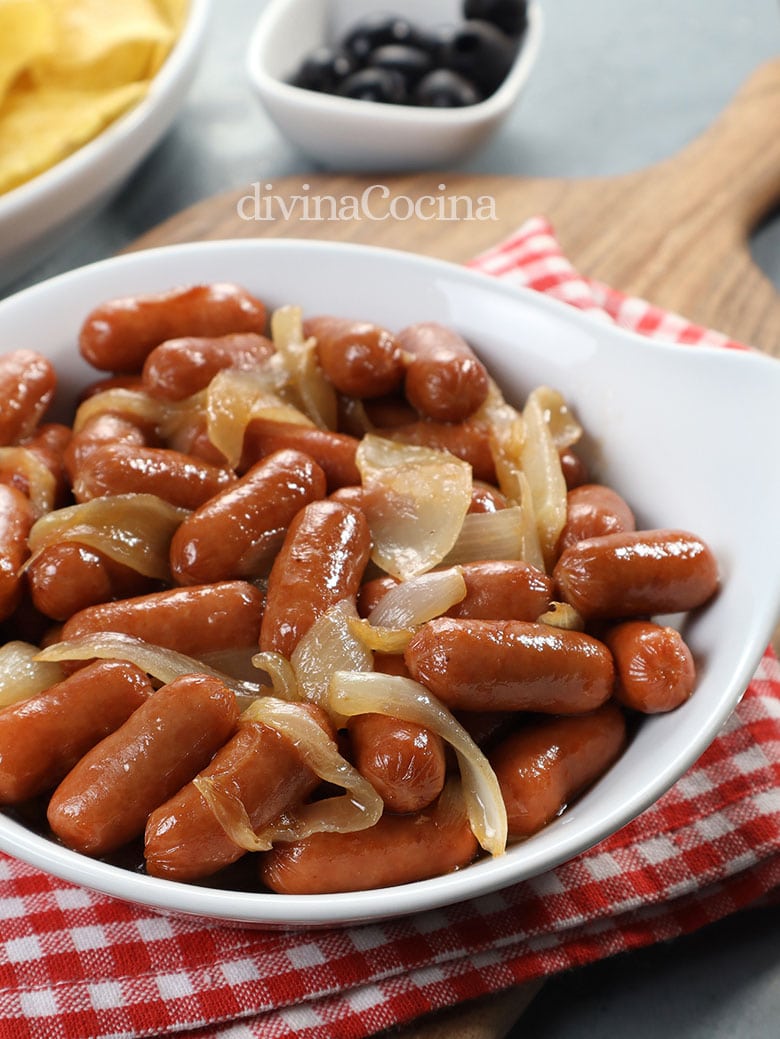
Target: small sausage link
x=179 y=368
x=543 y=766
x=106 y=799
x=191 y=437
x=469 y=441
x=482 y=665
x=128 y=469
x=41 y=739
x=66 y=577
x=333 y=452
x=654 y=666
x=592 y=510
x=486 y=498
x=119 y=335
x=258 y=767
x=49 y=443
x=399 y=849
x=16 y=520
x=27 y=386
x=575 y=472
x=445 y=380
x=195 y=621
x=359 y=359
x=637 y=573
x=103 y=430
x=321 y=561
x=237 y=533
x=404 y=762
x=110 y=382
x=389 y=412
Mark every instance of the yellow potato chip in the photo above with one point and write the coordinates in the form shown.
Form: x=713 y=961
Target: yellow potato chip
x=39 y=127
x=101 y=45
x=26 y=34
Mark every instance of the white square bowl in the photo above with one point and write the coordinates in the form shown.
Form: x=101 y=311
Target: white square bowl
x=350 y=134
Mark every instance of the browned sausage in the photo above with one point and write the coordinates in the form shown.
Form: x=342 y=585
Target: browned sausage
x=321 y=562
x=655 y=669
x=110 y=382
x=486 y=498
x=16 y=519
x=42 y=738
x=48 y=444
x=359 y=359
x=391 y=411
x=333 y=452
x=105 y=800
x=592 y=510
x=480 y=665
x=445 y=380
x=126 y=469
x=101 y=430
x=543 y=766
x=469 y=441
x=118 y=335
x=27 y=385
x=495 y=589
x=191 y=437
x=574 y=470
x=637 y=573
x=66 y=577
x=261 y=769
x=238 y=532
x=194 y=621
x=399 y=849
x=178 y=368
x=404 y=762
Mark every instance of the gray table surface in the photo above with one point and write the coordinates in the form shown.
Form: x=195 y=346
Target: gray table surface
x=618 y=84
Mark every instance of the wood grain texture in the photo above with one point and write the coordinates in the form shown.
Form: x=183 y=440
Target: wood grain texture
x=676 y=233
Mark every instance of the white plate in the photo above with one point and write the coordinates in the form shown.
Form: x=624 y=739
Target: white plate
x=682 y=432
x=40 y=214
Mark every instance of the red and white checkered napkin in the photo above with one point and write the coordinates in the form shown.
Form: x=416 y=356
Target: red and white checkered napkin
x=74 y=964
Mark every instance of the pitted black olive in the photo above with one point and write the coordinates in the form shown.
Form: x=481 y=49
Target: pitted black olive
x=482 y=53
x=371 y=84
x=444 y=88
x=511 y=16
x=411 y=62
x=324 y=70
x=377 y=30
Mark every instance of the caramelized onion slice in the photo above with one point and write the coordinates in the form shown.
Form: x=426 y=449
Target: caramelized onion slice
x=415 y=501
x=357 y=809
x=317 y=396
x=158 y=661
x=39 y=479
x=22 y=674
x=562 y=615
x=132 y=529
x=541 y=463
x=329 y=645
x=135 y=404
x=398 y=697
x=236 y=397
x=564 y=427
x=490 y=535
x=280 y=671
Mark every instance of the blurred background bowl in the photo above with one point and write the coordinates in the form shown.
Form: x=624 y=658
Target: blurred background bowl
x=351 y=134
x=37 y=216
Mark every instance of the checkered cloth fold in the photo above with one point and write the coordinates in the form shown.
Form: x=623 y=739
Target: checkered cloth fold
x=75 y=964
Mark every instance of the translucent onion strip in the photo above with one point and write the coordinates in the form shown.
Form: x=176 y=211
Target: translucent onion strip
x=417 y=600
x=40 y=485
x=132 y=403
x=132 y=529
x=541 y=463
x=22 y=675
x=415 y=501
x=158 y=661
x=490 y=535
x=317 y=395
x=329 y=645
x=399 y=697
x=236 y=397
x=380 y=639
x=531 y=551
x=562 y=615
x=357 y=809
x=564 y=427
x=280 y=671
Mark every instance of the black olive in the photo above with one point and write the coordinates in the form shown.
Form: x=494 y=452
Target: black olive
x=324 y=69
x=511 y=16
x=375 y=85
x=480 y=52
x=411 y=62
x=444 y=88
x=376 y=30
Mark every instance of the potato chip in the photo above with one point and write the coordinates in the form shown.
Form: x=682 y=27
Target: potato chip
x=26 y=34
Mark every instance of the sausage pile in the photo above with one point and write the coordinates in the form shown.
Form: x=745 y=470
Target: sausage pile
x=443 y=611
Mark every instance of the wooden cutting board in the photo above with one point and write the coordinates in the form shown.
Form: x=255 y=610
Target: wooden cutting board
x=676 y=233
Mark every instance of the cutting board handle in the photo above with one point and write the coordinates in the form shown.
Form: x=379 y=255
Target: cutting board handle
x=735 y=164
